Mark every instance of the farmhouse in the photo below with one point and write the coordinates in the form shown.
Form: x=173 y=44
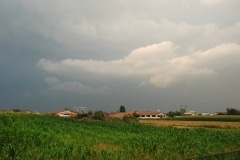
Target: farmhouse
x=63 y=113
x=140 y=114
x=150 y=114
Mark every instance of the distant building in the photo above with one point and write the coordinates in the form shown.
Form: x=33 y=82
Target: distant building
x=191 y=113
x=63 y=113
x=140 y=114
x=205 y=114
x=150 y=114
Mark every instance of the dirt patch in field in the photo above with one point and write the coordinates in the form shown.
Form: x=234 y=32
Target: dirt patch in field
x=184 y=124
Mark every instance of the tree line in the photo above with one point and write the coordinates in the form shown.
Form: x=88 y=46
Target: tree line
x=233 y=111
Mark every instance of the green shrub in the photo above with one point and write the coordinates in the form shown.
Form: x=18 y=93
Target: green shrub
x=98 y=115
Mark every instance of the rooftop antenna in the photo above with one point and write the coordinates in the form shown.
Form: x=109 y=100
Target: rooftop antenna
x=80 y=108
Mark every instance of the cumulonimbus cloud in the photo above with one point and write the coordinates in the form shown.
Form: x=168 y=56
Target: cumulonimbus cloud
x=159 y=64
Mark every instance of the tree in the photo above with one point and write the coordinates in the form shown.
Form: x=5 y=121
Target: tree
x=126 y=118
x=179 y=112
x=82 y=115
x=233 y=111
x=183 y=109
x=173 y=114
x=129 y=118
x=122 y=109
x=99 y=115
x=16 y=110
x=90 y=113
x=135 y=115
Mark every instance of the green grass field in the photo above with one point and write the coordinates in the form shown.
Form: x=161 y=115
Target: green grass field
x=41 y=137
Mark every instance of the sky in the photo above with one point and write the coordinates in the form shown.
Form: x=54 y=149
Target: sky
x=143 y=54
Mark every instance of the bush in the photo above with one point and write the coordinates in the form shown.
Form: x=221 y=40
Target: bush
x=99 y=115
x=82 y=115
x=90 y=113
x=129 y=118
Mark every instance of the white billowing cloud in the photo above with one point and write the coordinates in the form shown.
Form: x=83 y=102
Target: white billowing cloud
x=220 y=57
x=142 y=61
x=159 y=64
x=163 y=50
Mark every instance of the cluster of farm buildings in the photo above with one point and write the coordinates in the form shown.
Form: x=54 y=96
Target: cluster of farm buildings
x=120 y=115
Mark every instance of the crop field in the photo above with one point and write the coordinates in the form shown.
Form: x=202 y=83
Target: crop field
x=41 y=137
x=192 y=124
x=216 y=118
x=222 y=121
